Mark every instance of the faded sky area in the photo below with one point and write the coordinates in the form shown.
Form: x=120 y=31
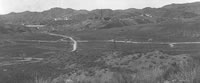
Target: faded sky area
x=7 y=6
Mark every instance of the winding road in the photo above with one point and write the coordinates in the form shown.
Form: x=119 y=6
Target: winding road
x=75 y=46
x=73 y=40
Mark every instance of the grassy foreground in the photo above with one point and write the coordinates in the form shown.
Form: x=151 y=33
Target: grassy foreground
x=117 y=67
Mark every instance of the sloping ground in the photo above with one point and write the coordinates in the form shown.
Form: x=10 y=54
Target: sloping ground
x=11 y=28
x=107 y=18
x=189 y=7
x=41 y=36
x=140 y=62
x=21 y=59
x=33 y=44
x=151 y=67
x=174 y=31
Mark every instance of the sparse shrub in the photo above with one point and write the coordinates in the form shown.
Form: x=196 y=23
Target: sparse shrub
x=155 y=75
x=42 y=80
x=170 y=69
x=187 y=74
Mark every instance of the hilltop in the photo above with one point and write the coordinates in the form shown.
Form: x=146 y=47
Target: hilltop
x=106 y=18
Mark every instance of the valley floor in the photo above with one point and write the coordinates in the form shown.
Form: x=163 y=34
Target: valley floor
x=68 y=54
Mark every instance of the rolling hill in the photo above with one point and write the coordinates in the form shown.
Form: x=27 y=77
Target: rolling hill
x=174 y=22
x=107 y=18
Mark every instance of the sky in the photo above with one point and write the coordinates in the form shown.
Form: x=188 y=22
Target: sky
x=7 y=6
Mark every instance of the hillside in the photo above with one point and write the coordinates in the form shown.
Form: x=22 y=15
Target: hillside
x=104 y=18
x=174 y=22
x=149 y=45
x=188 y=7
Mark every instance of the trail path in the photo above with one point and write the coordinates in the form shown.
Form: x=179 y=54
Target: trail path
x=18 y=60
x=73 y=40
x=75 y=43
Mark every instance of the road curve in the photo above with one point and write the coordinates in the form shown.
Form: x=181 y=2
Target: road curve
x=73 y=40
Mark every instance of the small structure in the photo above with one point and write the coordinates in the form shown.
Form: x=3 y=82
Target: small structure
x=150 y=39
x=35 y=26
x=171 y=45
x=57 y=19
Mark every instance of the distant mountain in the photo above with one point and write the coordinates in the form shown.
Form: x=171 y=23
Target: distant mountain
x=188 y=7
x=104 y=18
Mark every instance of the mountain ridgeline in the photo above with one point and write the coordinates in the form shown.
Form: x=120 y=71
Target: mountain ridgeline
x=125 y=17
x=173 y=19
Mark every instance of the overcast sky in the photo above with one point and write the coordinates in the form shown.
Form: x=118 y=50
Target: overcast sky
x=7 y=6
